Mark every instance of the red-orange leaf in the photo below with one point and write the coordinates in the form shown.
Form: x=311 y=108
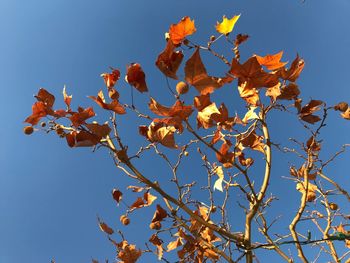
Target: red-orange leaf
x=178 y=32
x=136 y=77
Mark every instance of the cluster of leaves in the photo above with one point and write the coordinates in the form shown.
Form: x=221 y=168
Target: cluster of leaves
x=264 y=83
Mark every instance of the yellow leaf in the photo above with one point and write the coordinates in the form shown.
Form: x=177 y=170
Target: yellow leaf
x=226 y=26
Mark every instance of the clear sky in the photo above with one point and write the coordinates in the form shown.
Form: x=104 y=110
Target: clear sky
x=50 y=194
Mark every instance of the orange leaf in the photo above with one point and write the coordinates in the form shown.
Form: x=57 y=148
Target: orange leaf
x=157 y=132
x=178 y=32
x=136 y=77
x=271 y=62
x=169 y=60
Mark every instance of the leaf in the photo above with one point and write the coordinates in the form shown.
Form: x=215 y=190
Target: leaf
x=139 y=203
x=252 y=72
x=104 y=227
x=169 y=60
x=177 y=110
x=79 y=118
x=67 y=99
x=98 y=129
x=159 y=214
x=225 y=157
x=240 y=39
x=251 y=140
x=46 y=97
x=219 y=181
x=271 y=62
x=117 y=195
x=306 y=112
x=294 y=71
x=81 y=139
x=289 y=92
x=250 y=115
x=227 y=25
x=39 y=110
x=129 y=253
x=196 y=75
x=204 y=117
x=136 y=77
x=155 y=240
x=346 y=114
x=178 y=32
x=311 y=195
x=157 y=132
x=248 y=93
x=174 y=244
x=274 y=92
x=111 y=79
x=113 y=106
x=149 y=198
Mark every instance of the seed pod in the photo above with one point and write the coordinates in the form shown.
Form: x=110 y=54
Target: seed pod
x=28 y=130
x=333 y=206
x=155 y=225
x=125 y=220
x=182 y=87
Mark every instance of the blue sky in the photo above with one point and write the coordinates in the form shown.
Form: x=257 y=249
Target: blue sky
x=50 y=194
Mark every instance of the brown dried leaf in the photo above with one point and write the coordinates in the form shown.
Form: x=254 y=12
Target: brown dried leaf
x=117 y=195
x=159 y=214
x=196 y=75
x=169 y=60
x=104 y=227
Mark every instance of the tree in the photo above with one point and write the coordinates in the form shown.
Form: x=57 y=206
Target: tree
x=229 y=148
